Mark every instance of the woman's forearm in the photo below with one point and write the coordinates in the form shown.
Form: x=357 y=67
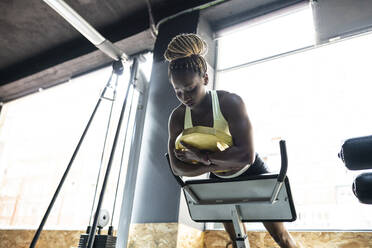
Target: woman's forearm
x=232 y=158
x=181 y=168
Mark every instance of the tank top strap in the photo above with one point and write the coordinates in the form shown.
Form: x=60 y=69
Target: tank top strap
x=188 y=120
x=215 y=105
x=219 y=121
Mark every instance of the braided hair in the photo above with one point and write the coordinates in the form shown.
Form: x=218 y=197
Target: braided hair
x=185 y=53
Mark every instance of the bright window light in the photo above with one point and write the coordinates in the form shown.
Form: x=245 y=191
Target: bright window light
x=287 y=32
x=314 y=100
x=38 y=134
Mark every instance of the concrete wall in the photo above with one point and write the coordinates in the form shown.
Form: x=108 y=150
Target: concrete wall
x=157 y=194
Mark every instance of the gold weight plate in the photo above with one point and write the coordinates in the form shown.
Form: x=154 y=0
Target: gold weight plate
x=204 y=138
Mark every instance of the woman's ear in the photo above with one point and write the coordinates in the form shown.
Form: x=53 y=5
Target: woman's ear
x=206 y=79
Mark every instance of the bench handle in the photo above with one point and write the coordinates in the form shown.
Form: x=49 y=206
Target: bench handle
x=284 y=166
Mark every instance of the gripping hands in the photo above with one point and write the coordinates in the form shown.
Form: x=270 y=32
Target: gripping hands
x=192 y=155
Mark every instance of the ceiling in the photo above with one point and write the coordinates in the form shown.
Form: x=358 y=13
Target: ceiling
x=40 y=49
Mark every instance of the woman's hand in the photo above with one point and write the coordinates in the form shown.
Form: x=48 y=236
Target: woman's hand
x=192 y=155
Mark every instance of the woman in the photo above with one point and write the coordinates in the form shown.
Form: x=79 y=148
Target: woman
x=219 y=109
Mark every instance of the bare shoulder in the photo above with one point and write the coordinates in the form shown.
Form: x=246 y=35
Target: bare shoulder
x=230 y=102
x=176 y=118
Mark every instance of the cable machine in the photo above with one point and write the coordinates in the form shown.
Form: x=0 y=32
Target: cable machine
x=93 y=236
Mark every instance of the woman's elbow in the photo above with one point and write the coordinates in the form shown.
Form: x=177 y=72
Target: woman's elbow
x=249 y=158
x=176 y=171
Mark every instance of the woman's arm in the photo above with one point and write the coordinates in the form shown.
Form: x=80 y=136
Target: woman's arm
x=181 y=168
x=242 y=152
x=233 y=158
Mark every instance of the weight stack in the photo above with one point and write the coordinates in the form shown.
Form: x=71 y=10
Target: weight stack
x=100 y=241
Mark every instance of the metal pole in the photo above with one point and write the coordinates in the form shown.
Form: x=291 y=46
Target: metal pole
x=103 y=151
x=72 y=17
x=131 y=175
x=117 y=134
x=241 y=238
x=122 y=158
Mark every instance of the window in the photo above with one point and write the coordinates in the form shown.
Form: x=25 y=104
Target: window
x=286 y=31
x=314 y=99
x=38 y=134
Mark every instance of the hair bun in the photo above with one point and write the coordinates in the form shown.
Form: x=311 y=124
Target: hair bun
x=185 y=45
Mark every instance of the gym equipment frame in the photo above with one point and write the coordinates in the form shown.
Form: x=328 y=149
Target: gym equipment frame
x=262 y=198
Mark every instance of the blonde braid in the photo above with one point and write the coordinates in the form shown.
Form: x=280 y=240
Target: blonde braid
x=185 y=52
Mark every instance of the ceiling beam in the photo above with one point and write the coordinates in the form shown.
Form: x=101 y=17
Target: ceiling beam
x=74 y=67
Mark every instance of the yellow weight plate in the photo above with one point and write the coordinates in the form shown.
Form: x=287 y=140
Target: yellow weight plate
x=204 y=138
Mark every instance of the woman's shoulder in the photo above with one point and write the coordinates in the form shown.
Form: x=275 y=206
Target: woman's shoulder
x=177 y=115
x=176 y=122
x=231 y=104
x=228 y=98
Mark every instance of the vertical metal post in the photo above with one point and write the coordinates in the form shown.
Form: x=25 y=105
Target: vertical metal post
x=241 y=238
x=131 y=176
x=118 y=66
x=277 y=188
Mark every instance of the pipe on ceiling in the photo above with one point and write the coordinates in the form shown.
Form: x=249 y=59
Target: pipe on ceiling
x=72 y=17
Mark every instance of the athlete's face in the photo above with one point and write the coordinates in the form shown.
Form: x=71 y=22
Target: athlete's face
x=189 y=87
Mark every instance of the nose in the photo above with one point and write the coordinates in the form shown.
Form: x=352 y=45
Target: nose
x=184 y=96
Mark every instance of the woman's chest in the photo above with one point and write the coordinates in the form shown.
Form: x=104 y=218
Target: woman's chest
x=204 y=119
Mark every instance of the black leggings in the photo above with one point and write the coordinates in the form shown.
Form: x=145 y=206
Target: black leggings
x=257 y=168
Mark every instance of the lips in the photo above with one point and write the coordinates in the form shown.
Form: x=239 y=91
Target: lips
x=189 y=103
